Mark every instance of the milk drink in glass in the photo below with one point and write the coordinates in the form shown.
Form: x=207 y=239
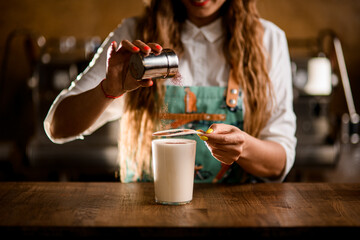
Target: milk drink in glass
x=173 y=168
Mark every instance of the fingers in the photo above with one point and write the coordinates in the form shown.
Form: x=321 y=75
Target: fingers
x=146 y=83
x=112 y=49
x=222 y=134
x=147 y=48
x=114 y=45
x=156 y=48
x=224 y=139
x=139 y=45
x=142 y=46
x=129 y=46
x=221 y=128
x=226 y=155
x=230 y=151
x=225 y=142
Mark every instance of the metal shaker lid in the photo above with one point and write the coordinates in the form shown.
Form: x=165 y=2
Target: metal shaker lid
x=173 y=62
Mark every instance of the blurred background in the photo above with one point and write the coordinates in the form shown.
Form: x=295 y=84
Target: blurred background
x=44 y=44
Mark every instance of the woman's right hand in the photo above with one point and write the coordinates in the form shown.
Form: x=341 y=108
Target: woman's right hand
x=118 y=78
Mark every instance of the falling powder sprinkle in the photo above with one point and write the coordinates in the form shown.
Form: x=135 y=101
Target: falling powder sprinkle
x=177 y=79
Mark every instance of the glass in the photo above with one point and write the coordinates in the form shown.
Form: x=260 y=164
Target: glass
x=173 y=168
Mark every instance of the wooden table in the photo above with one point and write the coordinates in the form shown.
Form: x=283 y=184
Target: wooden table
x=276 y=210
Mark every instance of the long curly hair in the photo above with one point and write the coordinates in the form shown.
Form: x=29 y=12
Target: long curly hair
x=162 y=22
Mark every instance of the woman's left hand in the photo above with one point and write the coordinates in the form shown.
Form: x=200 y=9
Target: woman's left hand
x=225 y=142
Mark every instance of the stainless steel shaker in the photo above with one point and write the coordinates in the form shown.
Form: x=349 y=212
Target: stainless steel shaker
x=164 y=65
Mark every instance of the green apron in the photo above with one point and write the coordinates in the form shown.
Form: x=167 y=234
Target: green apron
x=210 y=100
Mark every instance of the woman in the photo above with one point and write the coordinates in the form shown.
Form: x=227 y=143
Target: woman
x=236 y=87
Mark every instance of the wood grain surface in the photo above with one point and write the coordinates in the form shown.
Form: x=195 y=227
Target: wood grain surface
x=276 y=210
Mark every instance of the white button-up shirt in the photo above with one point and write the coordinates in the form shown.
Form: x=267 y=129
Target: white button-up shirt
x=202 y=64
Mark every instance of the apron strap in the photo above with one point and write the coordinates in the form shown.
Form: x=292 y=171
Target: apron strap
x=221 y=173
x=232 y=93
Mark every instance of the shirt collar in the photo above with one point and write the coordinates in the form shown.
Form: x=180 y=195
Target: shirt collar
x=211 y=32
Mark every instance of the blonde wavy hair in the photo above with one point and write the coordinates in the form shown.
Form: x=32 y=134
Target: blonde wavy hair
x=243 y=47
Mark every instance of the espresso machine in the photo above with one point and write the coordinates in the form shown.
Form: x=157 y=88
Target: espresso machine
x=317 y=79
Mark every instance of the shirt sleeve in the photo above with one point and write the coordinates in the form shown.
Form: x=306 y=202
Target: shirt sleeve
x=90 y=78
x=281 y=127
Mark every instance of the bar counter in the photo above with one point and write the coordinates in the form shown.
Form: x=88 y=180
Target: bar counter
x=105 y=209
